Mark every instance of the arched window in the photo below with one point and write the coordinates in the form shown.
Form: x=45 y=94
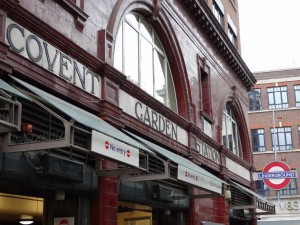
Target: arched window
x=230 y=132
x=141 y=57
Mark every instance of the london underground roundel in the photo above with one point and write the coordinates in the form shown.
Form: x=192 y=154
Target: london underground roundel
x=277 y=175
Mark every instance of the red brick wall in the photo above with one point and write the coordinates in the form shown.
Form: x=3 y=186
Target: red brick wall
x=289 y=117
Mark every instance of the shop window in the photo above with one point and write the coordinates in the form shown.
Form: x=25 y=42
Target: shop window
x=258 y=140
x=283 y=138
x=141 y=57
x=230 y=133
x=291 y=189
x=261 y=188
x=218 y=10
x=278 y=98
x=297 y=95
x=254 y=97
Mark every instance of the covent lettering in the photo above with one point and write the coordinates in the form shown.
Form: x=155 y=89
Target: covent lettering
x=207 y=151
x=49 y=57
x=155 y=120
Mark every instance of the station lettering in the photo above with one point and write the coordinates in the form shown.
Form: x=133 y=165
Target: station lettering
x=155 y=120
x=44 y=54
x=207 y=151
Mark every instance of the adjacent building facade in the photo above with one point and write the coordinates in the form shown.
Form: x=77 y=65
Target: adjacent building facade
x=274 y=112
x=124 y=112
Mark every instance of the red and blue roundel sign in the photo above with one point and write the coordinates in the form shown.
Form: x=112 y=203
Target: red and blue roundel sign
x=277 y=175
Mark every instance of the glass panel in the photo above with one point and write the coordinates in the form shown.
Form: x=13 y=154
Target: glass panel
x=171 y=98
x=288 y=138
x=229 y=133
x=261 y=140
x=235 y=140
x=281 y=139
x=224 y=129
x=119 y=50
x=297 y=96
x=131 y=54
x=146 y=29
x=284 y=97
x=277 y=98
x=270 y=98
x=146 y=66
x=159 y=77
x=258 y=103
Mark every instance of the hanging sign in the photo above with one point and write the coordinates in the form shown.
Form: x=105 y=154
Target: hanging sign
x=114 y=149
x=276 y=175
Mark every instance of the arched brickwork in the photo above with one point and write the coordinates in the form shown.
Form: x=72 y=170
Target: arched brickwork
x=236 y=106
x=154 y=14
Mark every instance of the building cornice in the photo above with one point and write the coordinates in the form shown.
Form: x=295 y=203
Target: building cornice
x=216 y=34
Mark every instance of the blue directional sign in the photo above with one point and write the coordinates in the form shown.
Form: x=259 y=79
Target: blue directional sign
x=277 y=175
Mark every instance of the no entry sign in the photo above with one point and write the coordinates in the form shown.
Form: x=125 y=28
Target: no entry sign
x=277 y=175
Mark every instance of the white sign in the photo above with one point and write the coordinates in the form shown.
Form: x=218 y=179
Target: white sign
x=207 y=128
x=27 y=44
x=192 y=177
x=64 y=221
x=151 y=118
x=114 y=149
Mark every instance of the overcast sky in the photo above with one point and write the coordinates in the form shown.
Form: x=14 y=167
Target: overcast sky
x=270 y=34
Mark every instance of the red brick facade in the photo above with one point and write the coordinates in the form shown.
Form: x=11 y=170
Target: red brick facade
x=287 y=117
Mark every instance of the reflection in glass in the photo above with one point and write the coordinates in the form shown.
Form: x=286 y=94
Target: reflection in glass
x=171 y=96
x=146 y=67
x=131 y=54
x=118 y=60
x=160 y=82
x=146 y=29
x=133 y=20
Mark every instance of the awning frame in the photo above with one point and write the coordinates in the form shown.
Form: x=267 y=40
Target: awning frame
x=258 y=201
x=68 y=141
x=128 y=173
x=12 y=112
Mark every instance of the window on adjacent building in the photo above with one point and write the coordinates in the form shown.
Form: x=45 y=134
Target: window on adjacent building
x=232 y=31
x=218 y=10
x=258 y=140
x=230 y=133
x=262 y=188
x=291 y=189
x=278 y=98
x=254 y=100
x=141 y=57
x=297 y=95
x=283 y=138
x=232 y=36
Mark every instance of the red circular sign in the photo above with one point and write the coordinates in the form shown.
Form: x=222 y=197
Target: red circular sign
x=277 y=166
x=106 y=145
x=64 y=222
